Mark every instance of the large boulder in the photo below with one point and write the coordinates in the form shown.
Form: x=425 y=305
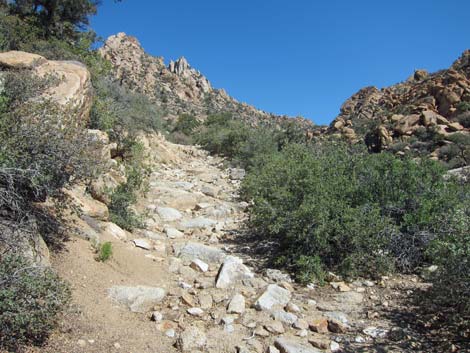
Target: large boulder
x=73 y=90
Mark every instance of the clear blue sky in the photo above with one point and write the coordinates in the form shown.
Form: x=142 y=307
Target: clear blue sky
x=296 y=57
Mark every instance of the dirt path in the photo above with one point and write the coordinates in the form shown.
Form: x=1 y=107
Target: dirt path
x=212 y=302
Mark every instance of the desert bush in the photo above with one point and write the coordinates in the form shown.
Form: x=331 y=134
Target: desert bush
x=244 y=145
x=125 y=195
x=44 y=148
x=333 y=207
x=121 y=112
x=186 y=124
x=31 y=297
x=464 y=119
x=451 y=253
x=104 y=251
x=222 y=135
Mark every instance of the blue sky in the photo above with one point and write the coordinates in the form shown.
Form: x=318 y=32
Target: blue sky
x=296 y=57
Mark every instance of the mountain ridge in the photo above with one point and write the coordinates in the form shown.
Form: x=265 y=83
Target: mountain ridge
x=178 y=88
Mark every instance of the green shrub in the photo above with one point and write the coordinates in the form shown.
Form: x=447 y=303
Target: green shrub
x=38 y=159
x=451 y=253
x=332 y=208
x=244 y=145
x=30 y=299
x=105 y=251
x=464 y=119
x=125 y=195
x=121 y=112
x=186 y=124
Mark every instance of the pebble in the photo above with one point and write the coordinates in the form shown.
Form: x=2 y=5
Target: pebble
x=170 y=333
x=195 y=311
x=157 y=316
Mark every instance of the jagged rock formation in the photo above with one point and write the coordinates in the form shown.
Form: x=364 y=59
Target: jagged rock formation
x=411 y=113
x=177 y=88
x=74 y=88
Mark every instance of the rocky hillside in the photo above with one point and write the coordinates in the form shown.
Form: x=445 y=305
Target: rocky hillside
x=193 y=281
x=426 y=114
x=177 y=88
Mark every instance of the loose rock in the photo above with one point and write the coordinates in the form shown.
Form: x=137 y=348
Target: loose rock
x=231 y=271
x=273 y=296
x=236 y=305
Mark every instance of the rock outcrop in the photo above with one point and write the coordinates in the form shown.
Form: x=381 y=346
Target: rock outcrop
x=421 y=115
x=73 y=88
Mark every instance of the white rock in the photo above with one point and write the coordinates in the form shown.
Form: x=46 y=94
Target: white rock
x=138 y=299
x=195 y=311
x=191 y=251
x=236 y=305
x=375 y=332
x=337 y=315
x=334 y=346
x=170 y=333
x=115 y=231
x=142 y=243
x=287 y=345
x=199 y=265
x=199 y=222
x=231 y=271
x=284 y=317
x=192 y=338
x=184 y=285
x=173 y=233
x=273 y=296
x=169 y=214
x=277 y=276
x=157 y=316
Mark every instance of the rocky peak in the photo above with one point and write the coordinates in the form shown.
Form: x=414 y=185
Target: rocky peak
x=179 y=67
x=177 y=88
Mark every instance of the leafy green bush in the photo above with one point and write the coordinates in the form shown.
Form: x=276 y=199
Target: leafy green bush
x=30 y=299
x=105 y=251
x=332 y=208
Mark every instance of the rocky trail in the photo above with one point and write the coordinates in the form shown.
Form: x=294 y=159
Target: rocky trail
x=186 y=285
